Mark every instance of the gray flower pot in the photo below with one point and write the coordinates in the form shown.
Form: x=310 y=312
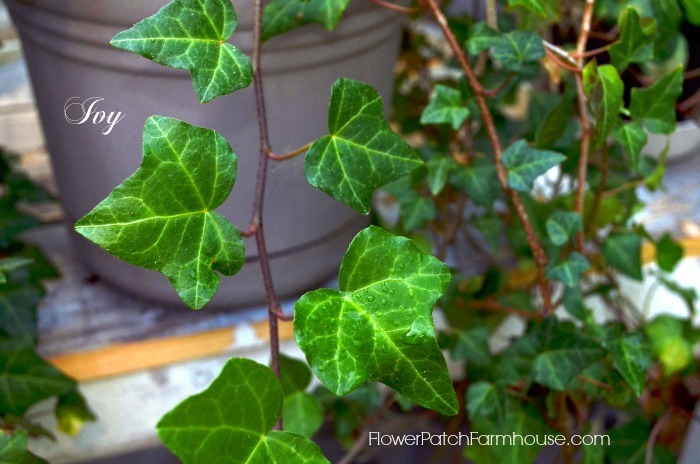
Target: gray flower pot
x=66 y=44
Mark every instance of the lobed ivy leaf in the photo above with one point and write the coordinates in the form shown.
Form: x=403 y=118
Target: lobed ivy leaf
x=623 y=251
x=654 y=106
x=632 y=137
x=569 y=271
x=636 y=43
x=481 y=37
x=630 y=358
x=485 y=399
x=361 y=152
x=473 y=345
x=566 y=355
x=25 y=379
x=379 y=324
x=18 y=316
x=281 y=16
x=517 y=50
x=13 y=449
x=525 y=164
x=192 y=35
x=302 y=412
x=562 y=225
x=478 y=180
x=231 y=422
x=445 y=108
x=668 y=252
x=604 y=89
x=162 y=216
x=439 y=170
x=555 y=122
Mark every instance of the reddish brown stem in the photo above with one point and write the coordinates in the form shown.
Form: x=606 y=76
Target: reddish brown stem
x=395 y=7
x=493 y=92
x=692 y=74
x=557 y=60
x=594 y=52
x=479 y=93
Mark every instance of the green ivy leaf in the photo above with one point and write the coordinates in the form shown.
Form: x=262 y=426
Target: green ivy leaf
x=555 y=123
x=481 y=37
x=536 y=6
x=631 y=359
x=569 y=271
x=655 y=105
x=566 y=355
x=302 y=412
x=692 y=11
x=284 y=15
x=439 y=170
x=361 y=152
x=473 y=345
x=11 y=263
x=379 y=325
x=445 y=108
x=669 y=343
x=72 y=412
x=668 y=253
x=18 y=315
x=604 y=90
x=516 y=50
x=525 y=164
x=25 y=379
x=562 y=225
x=573 y=302
x=13 y=449
x=624 y=252
x=478 y=180
x=162 y=216
x=192 y=35
x=485 y=399
x=636 y=43
x=232 y=420
x=632 y=137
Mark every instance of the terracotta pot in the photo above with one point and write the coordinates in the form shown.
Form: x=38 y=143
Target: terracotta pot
x=66 y=45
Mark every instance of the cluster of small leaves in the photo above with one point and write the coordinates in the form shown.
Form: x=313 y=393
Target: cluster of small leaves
x=26 y=378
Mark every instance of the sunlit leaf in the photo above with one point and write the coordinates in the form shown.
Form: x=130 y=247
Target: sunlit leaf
x=379 y=324
x=162 y=216
x=445 y=108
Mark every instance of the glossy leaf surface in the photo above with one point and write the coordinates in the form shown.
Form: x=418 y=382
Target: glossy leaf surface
x=516 y=50
x=361 y=152
x=192 y=35
x=445 y=108
x=654 y=106
x=379 y=325
x=604 y=90
x=284 y=15
x=636 y=40
x=231 y=422
x=162 y=216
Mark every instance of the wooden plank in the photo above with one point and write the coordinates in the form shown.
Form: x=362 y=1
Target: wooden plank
x=148 y=354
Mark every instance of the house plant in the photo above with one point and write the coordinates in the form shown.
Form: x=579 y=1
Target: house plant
x=568 y=372
x=66 y=45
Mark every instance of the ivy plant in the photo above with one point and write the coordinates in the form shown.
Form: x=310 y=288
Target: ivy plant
x=500 y=216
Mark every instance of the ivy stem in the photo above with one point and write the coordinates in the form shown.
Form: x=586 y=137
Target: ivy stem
x=583 y=114
x=289 y=155
x=397 y=8
x=273 y=306
x=480 y=95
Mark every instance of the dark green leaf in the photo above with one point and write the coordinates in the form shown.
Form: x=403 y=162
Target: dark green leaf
x=231 y=421
x=72 y=411
x=631 y=359
x=302 y=414
x=491 y=228
x=636 y=40
x=604 y=90
x=526 y=164
x=26 y=379
x=12 y=222
x=284 y=15
x=417 y=213
x=18 y=314
x=569 y=271
x=654 y=106
x=192 y=35
x=445 y=108
x=555 y=123
x=478 y=181
x=485 y=399
x=13 y=449
x=565 y=357
x=482 y=37
x=562 y=225
x=668 y=253
x=536 y=6
x=439 y=169
x=573 y=302
x=473 y=345
x=162 y=216
x=379 y=326
x=517 y=49
x=295 y=375
x=632 y=137
x=361 y=152
x=624 y=253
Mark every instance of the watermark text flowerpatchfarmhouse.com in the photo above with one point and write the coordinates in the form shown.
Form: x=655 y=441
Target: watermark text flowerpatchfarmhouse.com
x=475 y=438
